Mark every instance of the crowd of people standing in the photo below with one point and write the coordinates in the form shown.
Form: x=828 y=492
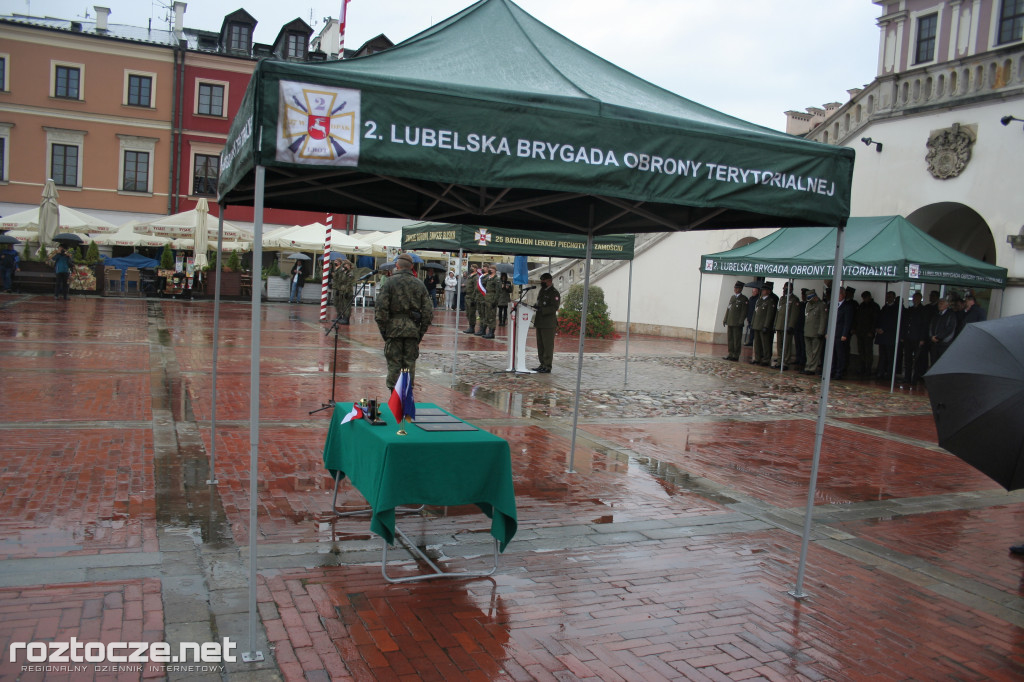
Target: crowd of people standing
x=798 y=327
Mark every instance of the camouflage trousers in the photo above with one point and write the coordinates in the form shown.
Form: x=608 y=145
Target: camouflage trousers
x=343 y=303
x=487 y=315
x=401 y=354
x=471 y=309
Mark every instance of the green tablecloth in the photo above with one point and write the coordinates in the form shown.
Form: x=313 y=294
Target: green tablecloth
x=424 y=467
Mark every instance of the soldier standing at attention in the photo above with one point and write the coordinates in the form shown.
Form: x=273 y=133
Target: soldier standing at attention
x=548 y=302
x=815 y=323
x=735 y=316
x=469 y=288
x=490 y=305
x=343 y=282
x=403 y=312
x=763 y=325
x=785 y=324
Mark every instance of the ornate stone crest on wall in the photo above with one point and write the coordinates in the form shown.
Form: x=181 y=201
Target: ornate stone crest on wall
x=949 y=150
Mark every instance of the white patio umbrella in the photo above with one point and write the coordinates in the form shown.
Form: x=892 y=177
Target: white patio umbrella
x=71 y=220
x=311 y=238
x=199 y=234
x=127 y=236
x=184 y=225
x=49 y=215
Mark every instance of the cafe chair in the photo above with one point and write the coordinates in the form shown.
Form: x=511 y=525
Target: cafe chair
x=132 y=277
x=111 y=281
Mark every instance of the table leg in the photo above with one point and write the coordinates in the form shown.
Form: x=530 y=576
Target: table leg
x=368 y=510
x=437 y=572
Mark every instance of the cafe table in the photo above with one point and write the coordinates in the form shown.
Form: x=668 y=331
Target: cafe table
x=423 y=467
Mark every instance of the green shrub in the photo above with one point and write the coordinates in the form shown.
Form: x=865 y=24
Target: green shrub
x=167 y=259
x=92 y=254
x=599 y=325
x=234 y=262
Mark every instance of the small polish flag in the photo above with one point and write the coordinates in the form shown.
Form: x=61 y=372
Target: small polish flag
x=401 y=401
x=480 y=285
x=356 y=413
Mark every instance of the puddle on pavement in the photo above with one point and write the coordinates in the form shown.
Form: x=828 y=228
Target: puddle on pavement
x=517 y=404
x=681 y=480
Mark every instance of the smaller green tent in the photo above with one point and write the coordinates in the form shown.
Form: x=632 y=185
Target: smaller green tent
x=876 y=249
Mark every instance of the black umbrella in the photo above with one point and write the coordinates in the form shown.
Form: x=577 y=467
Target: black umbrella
x=387 y=266
x=67 y=237
x=507 y=268
x=7 y=239
x=434 y=266
x=977 y=390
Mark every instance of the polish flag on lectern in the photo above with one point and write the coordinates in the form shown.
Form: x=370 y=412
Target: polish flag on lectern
x=401 y=401
x=356 y=413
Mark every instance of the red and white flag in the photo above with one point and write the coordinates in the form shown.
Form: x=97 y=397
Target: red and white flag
x=481 y=287
x=356 y=413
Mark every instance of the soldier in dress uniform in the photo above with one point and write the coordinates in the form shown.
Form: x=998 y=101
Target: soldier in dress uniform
x=403 y=311
x=785 y=321
x=469 y=289
x=815 y=323
x=763 y=325
x=735 y=316
x=548 y=302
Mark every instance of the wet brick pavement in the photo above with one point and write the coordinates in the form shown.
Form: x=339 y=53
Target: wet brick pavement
x=666 y=554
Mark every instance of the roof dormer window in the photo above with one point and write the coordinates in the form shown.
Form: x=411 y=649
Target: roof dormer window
x=239 y=37
x=295 y=46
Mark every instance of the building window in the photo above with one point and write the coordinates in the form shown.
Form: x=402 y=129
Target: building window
x=3 y=159
x=3 y=72
x=1011 y=21
x=206 y=168
x=136 y=172
x=67 y=82
x=926 y=38
x=140 y=90
x=64 y=165
x=210 y=99
x=295 y=47
x=239 y=36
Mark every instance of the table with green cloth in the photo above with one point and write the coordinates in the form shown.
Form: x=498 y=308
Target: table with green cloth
x=440 y=468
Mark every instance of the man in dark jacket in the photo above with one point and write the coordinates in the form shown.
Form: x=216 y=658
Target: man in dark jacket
x=885 y=334
x=942 y=329
x=865 y=322
x=915 y=337
x=403 y=312
x=843 y=330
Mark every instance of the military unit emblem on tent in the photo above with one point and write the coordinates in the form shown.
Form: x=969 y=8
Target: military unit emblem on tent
x=318 y=125
x=482 y=236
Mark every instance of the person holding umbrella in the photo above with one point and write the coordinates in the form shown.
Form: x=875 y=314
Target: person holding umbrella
x=61 y=261
x=9 y=263
x=298 y=278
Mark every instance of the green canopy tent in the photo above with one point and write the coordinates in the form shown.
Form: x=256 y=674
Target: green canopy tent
x=876 y=249
x=492 y=118
x=509 y=241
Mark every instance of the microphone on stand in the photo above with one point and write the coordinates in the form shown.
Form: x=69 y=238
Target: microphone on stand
x=367 y=275
x=528 y=288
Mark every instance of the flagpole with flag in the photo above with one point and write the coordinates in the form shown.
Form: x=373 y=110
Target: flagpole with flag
x=401 y=403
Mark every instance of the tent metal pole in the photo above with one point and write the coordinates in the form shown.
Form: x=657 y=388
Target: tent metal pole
x=696 y=324
x=254 y=409
x=896 y=348
x=583 y=335
x=819 y=430
x=629 y=310
x=785 y=326
x=212 y=480
x=458 y=299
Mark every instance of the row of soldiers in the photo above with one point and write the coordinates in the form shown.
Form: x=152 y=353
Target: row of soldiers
x=798 y=327
x=487 y=296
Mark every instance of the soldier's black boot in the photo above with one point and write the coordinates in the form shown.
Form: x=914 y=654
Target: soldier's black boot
x=490 y=333
x=471 y=330
x=483 y=331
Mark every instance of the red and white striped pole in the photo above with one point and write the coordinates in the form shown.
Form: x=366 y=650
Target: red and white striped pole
x=325 y=283
x=341 y=29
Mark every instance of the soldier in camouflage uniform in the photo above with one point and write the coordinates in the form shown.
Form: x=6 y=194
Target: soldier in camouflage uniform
x=735 y=316
x=469 y=289
x=403 y=311
x=490 y=304
x=815 y=323
x=343 y=282
x=545 y=322
x=785 y=323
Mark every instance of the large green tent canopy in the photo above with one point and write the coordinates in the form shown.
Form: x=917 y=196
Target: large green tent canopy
x=491 y=118
x=500 y=240
x=877 y=249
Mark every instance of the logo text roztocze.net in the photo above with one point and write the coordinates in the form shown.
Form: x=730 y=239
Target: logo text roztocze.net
x=76 y=651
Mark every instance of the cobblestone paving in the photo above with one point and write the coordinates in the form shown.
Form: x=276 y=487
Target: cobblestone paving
x=661 y=546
